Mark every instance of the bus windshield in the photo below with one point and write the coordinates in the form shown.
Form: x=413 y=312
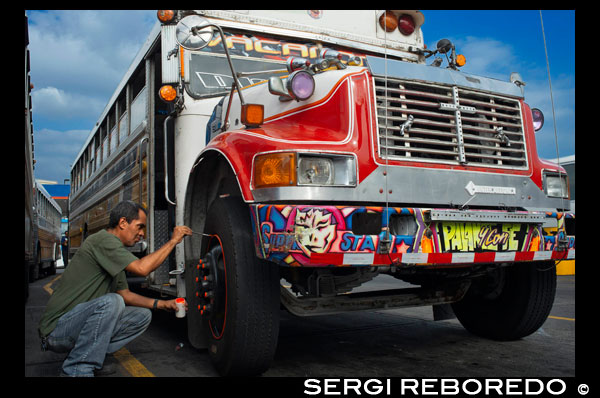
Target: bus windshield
x=209 y=72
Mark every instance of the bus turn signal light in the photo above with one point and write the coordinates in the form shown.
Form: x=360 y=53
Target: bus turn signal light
x=388 y=21
x=253 y=115
x=275 y=170
x=167 y=93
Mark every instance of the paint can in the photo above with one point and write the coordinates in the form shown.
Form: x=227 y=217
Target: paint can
x=180 y=302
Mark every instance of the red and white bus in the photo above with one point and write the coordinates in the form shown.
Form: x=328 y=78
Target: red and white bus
x=323 y=148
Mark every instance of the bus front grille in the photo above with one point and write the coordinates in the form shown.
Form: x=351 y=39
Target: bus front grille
x=448 y=124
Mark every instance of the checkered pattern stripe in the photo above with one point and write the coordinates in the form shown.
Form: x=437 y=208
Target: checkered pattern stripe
x=437 y=258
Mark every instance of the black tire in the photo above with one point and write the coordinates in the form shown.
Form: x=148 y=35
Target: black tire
x=34 y=271
x=510 y=304
x=243 y=324
x=52 y=268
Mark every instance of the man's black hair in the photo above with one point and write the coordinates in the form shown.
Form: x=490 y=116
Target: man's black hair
x=128 y=209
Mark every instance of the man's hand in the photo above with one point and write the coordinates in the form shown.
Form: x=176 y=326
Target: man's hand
x=152 y=261
x=169 y=305
x=179 y=232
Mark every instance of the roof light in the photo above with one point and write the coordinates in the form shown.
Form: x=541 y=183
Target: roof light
x=328 y=53
x=460 y=60
x=406 y=24
x=295 y=63
x=388 y=21
x=167 y=93
x=165 y=16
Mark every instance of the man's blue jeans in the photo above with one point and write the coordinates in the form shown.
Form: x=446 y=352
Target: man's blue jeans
x=94 y=328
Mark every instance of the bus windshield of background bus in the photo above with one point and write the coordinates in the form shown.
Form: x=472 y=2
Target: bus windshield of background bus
x=209 y=72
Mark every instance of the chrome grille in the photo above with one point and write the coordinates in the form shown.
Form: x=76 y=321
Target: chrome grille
x=487 y=130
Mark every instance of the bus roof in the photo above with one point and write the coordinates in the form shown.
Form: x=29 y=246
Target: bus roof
x=358 y=29
x=43 y=191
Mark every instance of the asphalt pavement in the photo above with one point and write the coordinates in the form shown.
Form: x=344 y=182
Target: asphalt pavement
x=386 y=343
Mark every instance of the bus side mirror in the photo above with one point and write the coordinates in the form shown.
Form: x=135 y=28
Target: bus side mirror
x=194 y=32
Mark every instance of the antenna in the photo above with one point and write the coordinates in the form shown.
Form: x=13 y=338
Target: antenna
x=552 y=102
x=384 y=242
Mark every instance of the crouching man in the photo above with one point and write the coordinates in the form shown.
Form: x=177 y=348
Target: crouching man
x=92 y=312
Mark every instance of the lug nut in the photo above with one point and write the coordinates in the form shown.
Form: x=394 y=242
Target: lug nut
x=205 y=309
x=206 y=285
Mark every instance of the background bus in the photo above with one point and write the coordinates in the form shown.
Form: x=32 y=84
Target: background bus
x=47 y=216
x=29 y=218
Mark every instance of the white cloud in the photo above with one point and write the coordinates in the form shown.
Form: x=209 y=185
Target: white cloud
x=56 y=104
x=55 y=151
x=496 y=59
x=77 y=60
x=85 y=51
x=487 y=57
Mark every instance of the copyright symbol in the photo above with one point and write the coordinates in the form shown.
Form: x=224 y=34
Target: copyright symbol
x=583 y=389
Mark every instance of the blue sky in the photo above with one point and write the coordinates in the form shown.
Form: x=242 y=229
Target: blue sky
x=79 y=57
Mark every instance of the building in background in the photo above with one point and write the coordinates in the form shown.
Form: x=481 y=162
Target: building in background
x=567 y=267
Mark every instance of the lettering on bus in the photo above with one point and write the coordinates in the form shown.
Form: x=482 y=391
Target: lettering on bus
x=209 y=70
x=290 y=234
x=261 y=47
x=473 y=236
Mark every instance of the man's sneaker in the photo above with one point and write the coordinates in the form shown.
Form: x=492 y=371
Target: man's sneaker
x=109 y=366
x=106 y=370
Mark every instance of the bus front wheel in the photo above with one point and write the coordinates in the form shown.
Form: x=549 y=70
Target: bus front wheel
x=240 y=293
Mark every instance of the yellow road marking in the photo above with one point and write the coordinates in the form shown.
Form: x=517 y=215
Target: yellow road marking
x=563 y=318
x=132 y=365
x=47 y=285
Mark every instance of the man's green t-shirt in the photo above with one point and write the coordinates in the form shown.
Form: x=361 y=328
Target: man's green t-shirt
x=96 y=269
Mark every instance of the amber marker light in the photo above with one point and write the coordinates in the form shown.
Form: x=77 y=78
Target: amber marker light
x=253 y=114
x=460 y=60
x=167 y=93
x=165 y=16
x=388 y=21
x=275 y=170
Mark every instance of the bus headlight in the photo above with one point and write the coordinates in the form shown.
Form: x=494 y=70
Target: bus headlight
x=326 y=169
x=556 y=185
x=315 y=171
x=278 y=169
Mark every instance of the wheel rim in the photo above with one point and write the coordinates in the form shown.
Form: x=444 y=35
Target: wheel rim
x=214 y=293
